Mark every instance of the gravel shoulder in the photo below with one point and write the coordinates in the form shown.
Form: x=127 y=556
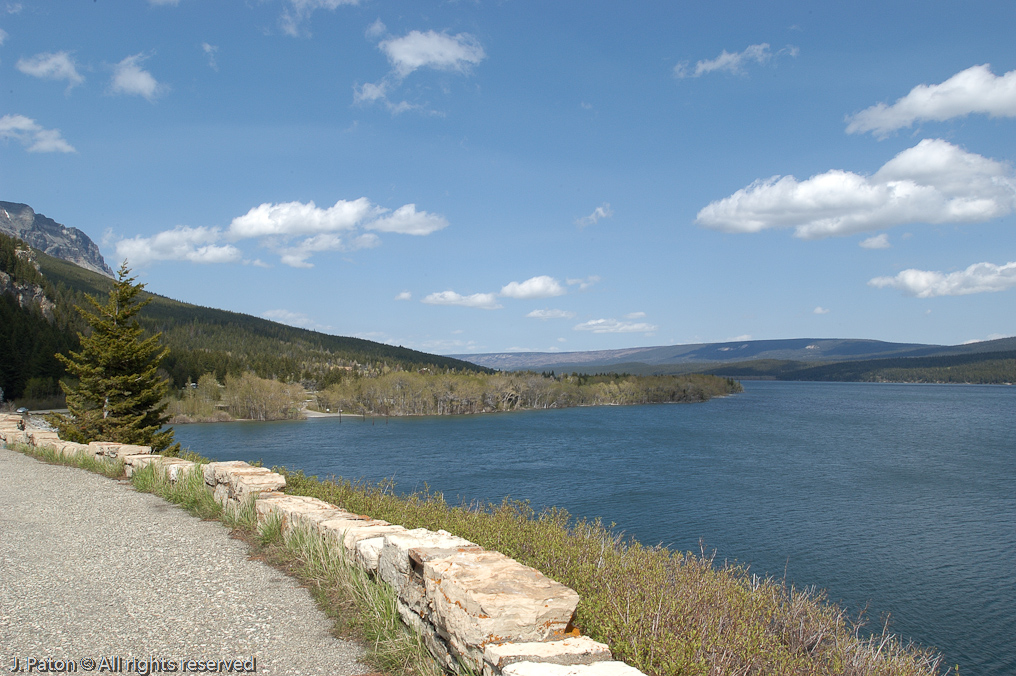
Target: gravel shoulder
x=90 y=568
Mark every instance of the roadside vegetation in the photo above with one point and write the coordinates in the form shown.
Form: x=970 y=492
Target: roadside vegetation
x=664 y=612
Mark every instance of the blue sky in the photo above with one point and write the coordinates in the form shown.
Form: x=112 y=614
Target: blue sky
x=489 y=176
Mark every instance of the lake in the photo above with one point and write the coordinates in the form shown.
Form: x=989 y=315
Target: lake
x=898 y=498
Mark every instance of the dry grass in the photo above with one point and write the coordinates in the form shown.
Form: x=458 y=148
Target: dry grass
x=664 y=612
x=104 y=466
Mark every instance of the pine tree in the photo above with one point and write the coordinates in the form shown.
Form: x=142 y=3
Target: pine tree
x=119 y=391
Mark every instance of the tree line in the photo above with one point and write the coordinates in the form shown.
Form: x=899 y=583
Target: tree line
x=414 y=393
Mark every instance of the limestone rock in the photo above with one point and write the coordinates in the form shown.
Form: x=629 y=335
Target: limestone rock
x=546 y=669
x=133 y=463
x=572 y=650
x=481 y=597
x=245 y=482
x=215 y=472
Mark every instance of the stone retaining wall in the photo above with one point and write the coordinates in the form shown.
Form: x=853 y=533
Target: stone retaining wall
x=472 y=606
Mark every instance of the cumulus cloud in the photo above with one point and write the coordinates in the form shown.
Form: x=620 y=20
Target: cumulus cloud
x=294 y=230
x=876 y=242
x=551 y=314
x=733 y=62
x=974 y=90
x=32 y=135
x=405 y=295
x=602 y=211
x=432 y=50
x=291 y=318
x=182 y=243
x=130 y=78
x=298 y=11
x=820 y=310
x=297 y=218
x=583 y=283
x=978 y=278
x=543 y=286
x=406 y=220
x=413 y=51
x=483 y=301
x=933 y=182
x=296 y=256
x=52 y=66
x=614 y=326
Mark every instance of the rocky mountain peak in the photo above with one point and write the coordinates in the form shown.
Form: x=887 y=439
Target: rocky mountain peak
x=48 y=236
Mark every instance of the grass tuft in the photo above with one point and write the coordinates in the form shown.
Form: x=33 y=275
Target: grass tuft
x=105 y=466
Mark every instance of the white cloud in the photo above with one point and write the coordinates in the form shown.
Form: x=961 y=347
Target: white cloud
x=297 y=218
x=635 y=315
x=210 y=51
x=602 y=211
x=296 y=256
x=294 y=230
x=376 y=29
x=585 y=283
x=130 y=78
x=978 y=278
x=614 y=326
x=32 y=135
x=405 y=295
x=299 y=11
x=732 y=62
x=876 y=242
x=543 y=286
x=484 y=301
x=551 y=314
x=291 y=318
x=974 y=90
x=738 y=339
x=52 y=66
x=3 y=36
x=406 y=220
x=182 y=243
x=820 y=310
x=933 y=182
x=432 y=50
x=413 y=51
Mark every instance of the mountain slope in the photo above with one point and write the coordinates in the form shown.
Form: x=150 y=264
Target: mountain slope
x=203 y=340
x=46 y=235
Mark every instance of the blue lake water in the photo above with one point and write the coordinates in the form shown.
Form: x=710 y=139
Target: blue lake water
x=898 y=498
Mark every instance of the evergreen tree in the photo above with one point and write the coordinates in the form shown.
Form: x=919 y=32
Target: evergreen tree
x=119 y=391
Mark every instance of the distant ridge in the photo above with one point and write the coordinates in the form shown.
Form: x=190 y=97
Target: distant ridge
x=658 y=358
x=46 y=235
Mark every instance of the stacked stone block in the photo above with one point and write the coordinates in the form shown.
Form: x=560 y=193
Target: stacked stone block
x=472 y=606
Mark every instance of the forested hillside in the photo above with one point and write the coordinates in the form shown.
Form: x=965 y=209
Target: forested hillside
x=28 y=338
x=984 y=367
x=201 y=340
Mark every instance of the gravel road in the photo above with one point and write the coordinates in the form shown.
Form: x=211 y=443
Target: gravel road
x=90 y=568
